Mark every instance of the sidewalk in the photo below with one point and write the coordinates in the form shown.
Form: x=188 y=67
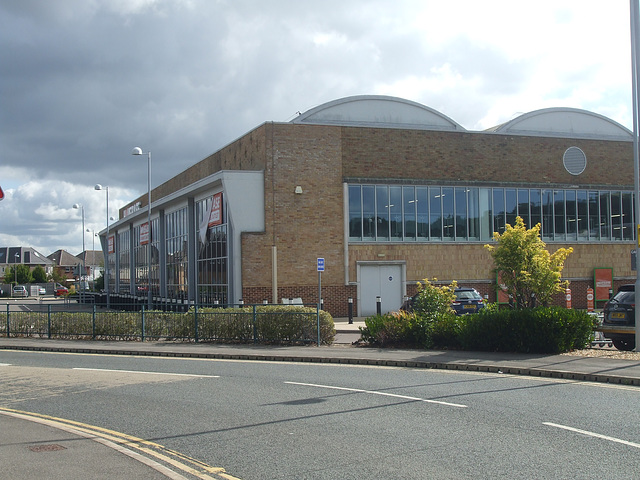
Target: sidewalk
x=594 y=369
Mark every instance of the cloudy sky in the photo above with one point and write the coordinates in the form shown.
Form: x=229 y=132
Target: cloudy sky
x=82 y=82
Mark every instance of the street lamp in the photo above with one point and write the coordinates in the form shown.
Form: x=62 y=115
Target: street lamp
x=138 y=151
x=84 y=251
x=106 y=260
x=15 y=266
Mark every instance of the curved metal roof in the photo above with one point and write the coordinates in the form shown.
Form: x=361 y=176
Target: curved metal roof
x=565 y=122
x=377 y=111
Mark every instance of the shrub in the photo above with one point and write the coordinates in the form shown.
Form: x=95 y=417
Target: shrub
x=538 y=330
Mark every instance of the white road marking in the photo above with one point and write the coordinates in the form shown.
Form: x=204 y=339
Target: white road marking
x=146 y=373
x=5 y=364
x=592 y=434
x=373 y=392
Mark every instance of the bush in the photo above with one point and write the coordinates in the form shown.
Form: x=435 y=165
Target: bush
x=537 y=330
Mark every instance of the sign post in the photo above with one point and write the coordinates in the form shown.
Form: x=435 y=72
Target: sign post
x=320 y=267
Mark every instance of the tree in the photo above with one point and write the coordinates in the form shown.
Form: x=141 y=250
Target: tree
x=23 y=274
x=528 y=271
x=39 y=275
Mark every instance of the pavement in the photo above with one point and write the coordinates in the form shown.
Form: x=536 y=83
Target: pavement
x=32 y=448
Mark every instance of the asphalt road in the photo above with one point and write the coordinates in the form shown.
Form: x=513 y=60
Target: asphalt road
x=261 y=420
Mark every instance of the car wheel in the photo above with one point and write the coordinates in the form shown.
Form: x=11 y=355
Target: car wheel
x=625 y=344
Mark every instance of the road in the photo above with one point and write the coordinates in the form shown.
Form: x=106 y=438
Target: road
x=261 y=420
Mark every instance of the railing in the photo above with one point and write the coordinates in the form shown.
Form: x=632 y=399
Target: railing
x=235 y=324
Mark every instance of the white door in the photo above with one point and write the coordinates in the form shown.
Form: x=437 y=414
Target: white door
x=384 y=281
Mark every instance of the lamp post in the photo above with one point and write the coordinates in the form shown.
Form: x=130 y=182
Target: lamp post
x=106 y=260
x=15 y=267
x=84 y=251
x=138 y=151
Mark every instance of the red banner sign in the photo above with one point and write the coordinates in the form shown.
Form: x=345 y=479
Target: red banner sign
x=145 y=233
x=110 y=245
x=603 y=280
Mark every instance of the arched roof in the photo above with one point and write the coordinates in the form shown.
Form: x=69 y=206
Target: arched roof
x=565 y=122
x=377 y=111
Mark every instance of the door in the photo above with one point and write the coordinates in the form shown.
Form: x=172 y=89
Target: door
x=384 y=281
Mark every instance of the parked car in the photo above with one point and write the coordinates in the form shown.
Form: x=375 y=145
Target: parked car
x=467 y=300
x=619 y=318
x=19 y=291
x=60 y=290
x=42 y=291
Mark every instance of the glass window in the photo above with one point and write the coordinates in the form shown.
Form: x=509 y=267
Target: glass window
x=461 y=213
x=473 y=213
x=212 y=257
x=410 y=205
x=355 y=212
x=382 y=212
x=616 y=216
x=594 y=216
x=523 y=206
x=605 y=216
x=582 y=199
x=177 y=254
x=124 y=261
x=547 y=214
x=368 y=212
x=435 y=212
x=499 y=214
x=535 y=207
x=558 y=215
x=571 y=214
x=628 y=232
x=422 y=209
x=395 y=212
x=448 y=214
x=511 y=205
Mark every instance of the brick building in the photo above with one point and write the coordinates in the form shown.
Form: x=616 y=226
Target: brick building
x=388 y=192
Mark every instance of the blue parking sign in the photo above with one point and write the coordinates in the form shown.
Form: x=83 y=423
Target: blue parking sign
x=321 y=264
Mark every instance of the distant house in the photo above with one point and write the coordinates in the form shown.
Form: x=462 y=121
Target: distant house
x=10 y=256
x=65 y=263
x=94 y=263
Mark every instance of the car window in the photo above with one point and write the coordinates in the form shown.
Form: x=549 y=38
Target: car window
x=624 y=297
x=468 y=295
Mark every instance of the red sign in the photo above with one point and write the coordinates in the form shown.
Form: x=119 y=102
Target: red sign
x=145 y=233
x=215 y=215
x=1 y=194
x=110 y=245
x=603 y=280
x=590 y=303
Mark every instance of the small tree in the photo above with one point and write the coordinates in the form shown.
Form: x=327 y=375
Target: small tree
x=527 y=269
x=23 y=274
x=39 y=275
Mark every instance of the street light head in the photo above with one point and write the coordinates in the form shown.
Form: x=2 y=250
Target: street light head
x=99 y=187
x=76 y=205
x=136 y=151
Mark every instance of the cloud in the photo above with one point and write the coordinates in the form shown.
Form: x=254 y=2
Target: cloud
x=83 y=82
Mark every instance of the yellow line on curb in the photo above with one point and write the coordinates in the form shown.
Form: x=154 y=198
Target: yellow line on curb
x=197 y=468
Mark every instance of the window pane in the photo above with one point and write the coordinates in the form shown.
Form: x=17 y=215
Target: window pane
x=410 y=204
x=395 y=209
x=536 y=207
x=547 y=214
x=461 y=213
x=355 y=212
x=571 y=215
x=382 y=212
x=511 y=205
x=605 y=216
x=448 y=214
x=368 y=212
x=594 y=216
x=499 y=218
x=616 y=215
x=473 y=213
x=583 y=214
x=627 y=216
x=523 y=206
x=485 y=214
x=422 y=199
x=435 y=212
x=558 y=215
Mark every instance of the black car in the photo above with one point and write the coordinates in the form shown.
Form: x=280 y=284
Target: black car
x=620 y=312
x=467 y=300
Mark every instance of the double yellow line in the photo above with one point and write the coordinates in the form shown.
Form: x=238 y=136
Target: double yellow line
x=150 y=453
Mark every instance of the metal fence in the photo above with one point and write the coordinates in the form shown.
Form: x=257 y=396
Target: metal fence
x=235 y=324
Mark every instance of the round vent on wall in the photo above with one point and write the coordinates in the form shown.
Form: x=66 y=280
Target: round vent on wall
x=575 y=161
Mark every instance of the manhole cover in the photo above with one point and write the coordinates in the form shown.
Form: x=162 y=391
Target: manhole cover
x=47 y=448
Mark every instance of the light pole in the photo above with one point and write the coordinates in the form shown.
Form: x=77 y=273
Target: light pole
x=15 y=267
x=138 y=151
x=84 y=251
x=106 y=260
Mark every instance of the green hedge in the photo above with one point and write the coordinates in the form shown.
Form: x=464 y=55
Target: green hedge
x=538 y=330
x=285 y=324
